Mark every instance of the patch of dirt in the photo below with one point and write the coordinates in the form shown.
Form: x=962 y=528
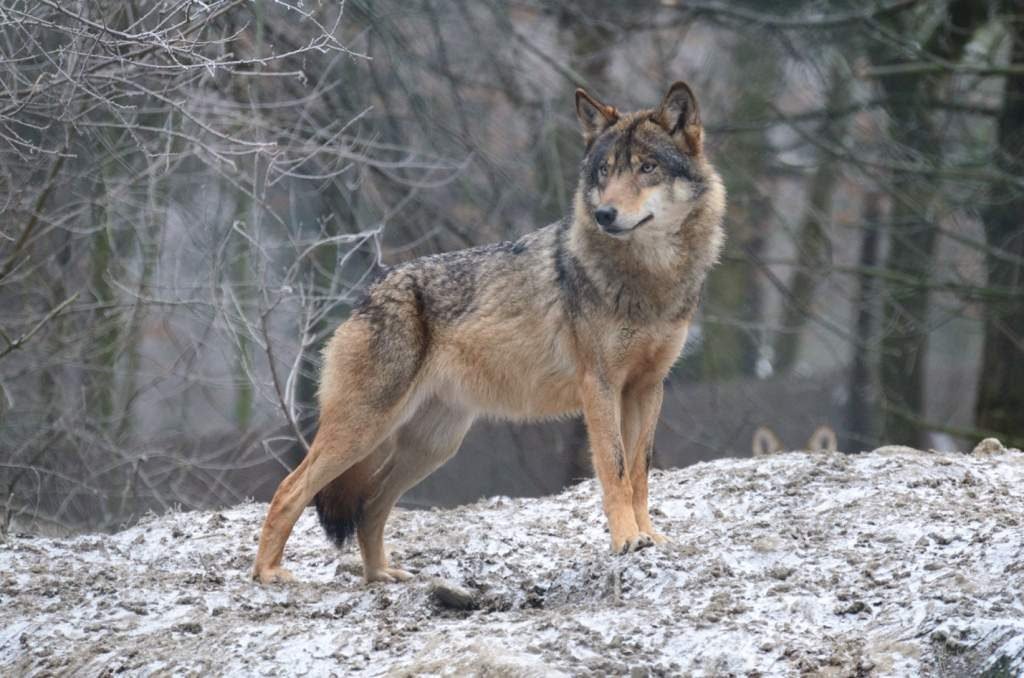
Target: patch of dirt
x=895 y=562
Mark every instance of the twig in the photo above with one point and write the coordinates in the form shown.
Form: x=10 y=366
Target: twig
x=17 y=343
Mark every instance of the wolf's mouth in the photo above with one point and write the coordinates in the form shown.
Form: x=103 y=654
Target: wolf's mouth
x=620 y=233
x=642 y=221
x=616 y=231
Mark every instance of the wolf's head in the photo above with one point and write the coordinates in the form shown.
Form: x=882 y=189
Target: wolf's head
x=644 y=172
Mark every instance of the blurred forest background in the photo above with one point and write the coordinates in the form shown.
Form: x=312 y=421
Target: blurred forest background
x=193 y=193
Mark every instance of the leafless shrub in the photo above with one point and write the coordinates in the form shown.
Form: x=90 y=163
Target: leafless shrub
x=159 y=160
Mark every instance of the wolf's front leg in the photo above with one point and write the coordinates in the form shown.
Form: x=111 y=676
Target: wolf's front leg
x=602 y=412
x=640 y=409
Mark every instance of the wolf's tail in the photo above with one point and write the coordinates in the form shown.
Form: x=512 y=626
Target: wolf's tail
x=339 y=506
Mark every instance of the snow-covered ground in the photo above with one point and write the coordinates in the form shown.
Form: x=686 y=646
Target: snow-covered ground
x=894 y=562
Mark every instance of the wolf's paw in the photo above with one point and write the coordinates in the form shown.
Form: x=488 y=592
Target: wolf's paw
x=272 y=575
x=388 y=575
x=658 y=538
x=634 y=543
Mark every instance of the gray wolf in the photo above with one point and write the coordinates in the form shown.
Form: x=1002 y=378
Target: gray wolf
x=585 y=316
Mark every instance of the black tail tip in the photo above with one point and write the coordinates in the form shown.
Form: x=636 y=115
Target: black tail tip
x=339 y=522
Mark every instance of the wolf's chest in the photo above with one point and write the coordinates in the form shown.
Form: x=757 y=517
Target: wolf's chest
x=643 y=352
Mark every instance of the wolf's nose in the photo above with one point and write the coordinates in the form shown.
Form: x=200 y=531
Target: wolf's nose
x=606 y=215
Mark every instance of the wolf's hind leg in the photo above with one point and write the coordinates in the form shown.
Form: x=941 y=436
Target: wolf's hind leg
x=337 y=447
x=640 y=409
x=421 y=445
x=363 y=401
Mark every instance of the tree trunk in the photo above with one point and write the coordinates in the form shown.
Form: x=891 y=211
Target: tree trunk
x=912 y=235
x=904 y=344
x=732 y=295
x=813 y=244
x=860 y=424
x=1000 y=405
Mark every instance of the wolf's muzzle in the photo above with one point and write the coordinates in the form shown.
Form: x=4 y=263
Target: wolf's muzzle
x=606 y=216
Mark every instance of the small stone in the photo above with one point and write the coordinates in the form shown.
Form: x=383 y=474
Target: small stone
x=780 y=572
x=188 y=627
x=989 y=446
x=856 y=607
x=453 y=596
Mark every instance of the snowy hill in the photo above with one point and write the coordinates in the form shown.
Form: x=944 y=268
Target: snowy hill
x=894 y=562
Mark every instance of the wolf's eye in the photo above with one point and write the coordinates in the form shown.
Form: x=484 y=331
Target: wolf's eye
x=603 y=169
x=648 y=167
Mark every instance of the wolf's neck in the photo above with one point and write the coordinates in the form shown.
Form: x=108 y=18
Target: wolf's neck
x=643 y=280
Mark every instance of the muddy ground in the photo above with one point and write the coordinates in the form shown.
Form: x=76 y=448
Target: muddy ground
x=895 y=562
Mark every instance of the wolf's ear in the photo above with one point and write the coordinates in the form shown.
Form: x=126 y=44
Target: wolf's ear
x=680 y=116
x=765 y=442
x=594 y=116
x=823 y=440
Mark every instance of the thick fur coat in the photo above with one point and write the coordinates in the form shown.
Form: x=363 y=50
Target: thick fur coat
x=585 y=316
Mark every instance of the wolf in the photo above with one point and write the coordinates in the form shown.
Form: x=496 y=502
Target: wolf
x=585 y=316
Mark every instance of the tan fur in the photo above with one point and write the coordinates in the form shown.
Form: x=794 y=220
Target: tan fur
x=765 y=442
x=567 y=320
x=823 y=440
